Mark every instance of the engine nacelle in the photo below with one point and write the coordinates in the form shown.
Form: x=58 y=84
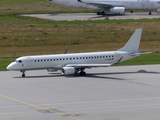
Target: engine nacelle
x=117 y=10
x=158 y=10
x=68 y=70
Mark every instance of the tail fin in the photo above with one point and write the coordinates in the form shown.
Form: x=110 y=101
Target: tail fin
x=133 y=42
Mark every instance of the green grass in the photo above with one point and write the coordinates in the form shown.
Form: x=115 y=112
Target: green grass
x=21 y=36
x=21 y=2
x=4 y=63
x=152 y=58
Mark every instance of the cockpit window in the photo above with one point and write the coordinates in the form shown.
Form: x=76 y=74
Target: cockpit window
x=18 y=61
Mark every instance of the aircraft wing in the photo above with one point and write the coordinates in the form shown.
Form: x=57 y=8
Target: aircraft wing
x=87 y=65
x=99 y=4
x=92 y=65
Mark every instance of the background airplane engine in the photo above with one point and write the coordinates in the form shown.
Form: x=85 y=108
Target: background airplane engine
x=68 y=70
x=117 y=10
x=158 y=10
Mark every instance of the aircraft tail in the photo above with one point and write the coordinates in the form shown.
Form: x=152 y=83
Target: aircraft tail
x=133 y=42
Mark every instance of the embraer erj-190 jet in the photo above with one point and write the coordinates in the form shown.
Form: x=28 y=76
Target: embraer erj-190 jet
x=71 y=64
x=113 y=6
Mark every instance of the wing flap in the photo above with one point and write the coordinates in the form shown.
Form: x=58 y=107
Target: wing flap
x=102 y=4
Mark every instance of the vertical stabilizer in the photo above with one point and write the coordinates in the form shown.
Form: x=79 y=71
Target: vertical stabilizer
x=133 y=42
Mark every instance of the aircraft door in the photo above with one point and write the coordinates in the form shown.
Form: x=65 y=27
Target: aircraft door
x=117 y=56
x=29 y=61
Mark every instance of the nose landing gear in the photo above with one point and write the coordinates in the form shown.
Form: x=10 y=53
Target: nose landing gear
x=23 y=73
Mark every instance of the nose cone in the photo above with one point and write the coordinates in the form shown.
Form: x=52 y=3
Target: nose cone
x=10 y=66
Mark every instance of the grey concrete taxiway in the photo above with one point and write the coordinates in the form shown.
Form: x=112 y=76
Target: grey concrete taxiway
x=113 y=93
x=94 y=16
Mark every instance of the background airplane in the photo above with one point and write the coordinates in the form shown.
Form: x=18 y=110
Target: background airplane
x=71 y=64
x=113 y=6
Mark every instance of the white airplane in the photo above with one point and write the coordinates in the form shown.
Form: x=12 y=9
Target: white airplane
x=113 y=6
x=71 y=64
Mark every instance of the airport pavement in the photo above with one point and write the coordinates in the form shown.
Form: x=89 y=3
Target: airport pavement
x=113 y=93
x=94 y=16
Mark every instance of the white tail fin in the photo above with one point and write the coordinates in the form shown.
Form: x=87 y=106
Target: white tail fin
x=133 y=42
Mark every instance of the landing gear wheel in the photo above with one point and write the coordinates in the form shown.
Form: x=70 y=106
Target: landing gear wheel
x=150 y=13
x=23 y=75
x=131 y=11
x=98 y=13
x=82 y=73
x=102 y=13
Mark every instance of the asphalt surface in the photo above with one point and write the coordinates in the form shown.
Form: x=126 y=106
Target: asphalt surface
x=113 y=93
x=94 y=16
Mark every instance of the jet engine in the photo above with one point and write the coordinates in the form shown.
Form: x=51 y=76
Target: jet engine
x=68 y=70
x=158 y=10
x=117 y=10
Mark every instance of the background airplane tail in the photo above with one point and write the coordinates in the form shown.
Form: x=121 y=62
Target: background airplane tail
x=133 y=42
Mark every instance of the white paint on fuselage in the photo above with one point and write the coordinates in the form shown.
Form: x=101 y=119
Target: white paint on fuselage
x=60 y=60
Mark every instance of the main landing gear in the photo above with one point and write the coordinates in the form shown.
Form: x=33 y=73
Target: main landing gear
x=100 y=13
x=82 y=72
x=150 y=12
x=23 y=74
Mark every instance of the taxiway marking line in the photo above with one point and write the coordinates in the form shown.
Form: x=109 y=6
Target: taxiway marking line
x=40 y=107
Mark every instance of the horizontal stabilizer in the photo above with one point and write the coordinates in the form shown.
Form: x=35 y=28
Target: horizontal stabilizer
x=140 y=53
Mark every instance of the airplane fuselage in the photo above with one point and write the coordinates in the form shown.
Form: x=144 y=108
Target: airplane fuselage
x=56 y=62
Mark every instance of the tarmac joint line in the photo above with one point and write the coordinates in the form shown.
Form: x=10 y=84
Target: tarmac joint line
x=40 y=107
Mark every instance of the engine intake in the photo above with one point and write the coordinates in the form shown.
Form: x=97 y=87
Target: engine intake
x=117 y=10
x=68 y=70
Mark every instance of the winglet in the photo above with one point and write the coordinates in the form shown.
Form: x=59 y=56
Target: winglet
x=65 y=52
x=79 y=0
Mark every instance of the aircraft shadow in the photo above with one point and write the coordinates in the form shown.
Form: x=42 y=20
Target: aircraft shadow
x=97 y=75
x=92 y=75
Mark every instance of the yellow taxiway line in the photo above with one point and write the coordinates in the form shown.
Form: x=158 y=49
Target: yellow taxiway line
x=40 y=107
